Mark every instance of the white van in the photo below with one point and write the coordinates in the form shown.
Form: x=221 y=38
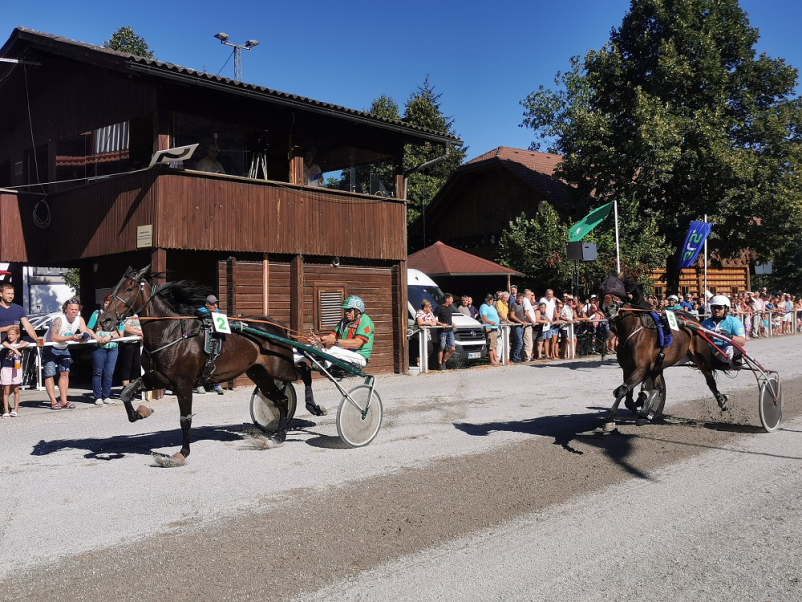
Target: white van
x=469 y=335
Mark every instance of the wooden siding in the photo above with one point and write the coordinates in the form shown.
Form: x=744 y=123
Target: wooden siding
x=68 y=99
x=101 y=218
x=726 y=280
x=194 y=212
x=375 y=285
x=12 y=242
x=203 y=212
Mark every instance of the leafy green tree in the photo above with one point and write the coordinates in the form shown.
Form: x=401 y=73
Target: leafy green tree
x=125 y=40
x=72 y=278
x=423 y=109
x=536 y=247
x=677 y=110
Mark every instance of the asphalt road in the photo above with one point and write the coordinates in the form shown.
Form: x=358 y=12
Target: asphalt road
x=492 y=484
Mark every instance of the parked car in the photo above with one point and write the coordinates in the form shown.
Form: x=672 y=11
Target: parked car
x=469 y=335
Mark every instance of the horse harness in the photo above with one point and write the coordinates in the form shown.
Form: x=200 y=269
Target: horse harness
x=664 y=336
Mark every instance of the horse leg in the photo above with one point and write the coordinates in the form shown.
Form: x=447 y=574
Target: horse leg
x=184 y=393
x=130 y=391
x=631 y=380
x=309 y=397
x=267 y=385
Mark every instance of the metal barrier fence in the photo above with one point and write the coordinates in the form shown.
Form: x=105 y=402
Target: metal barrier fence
x=761 y=324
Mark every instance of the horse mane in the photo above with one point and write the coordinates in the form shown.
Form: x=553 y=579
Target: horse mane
x=184 y=296
x=625 y=289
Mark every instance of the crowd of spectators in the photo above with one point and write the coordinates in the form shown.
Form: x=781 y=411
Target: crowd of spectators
x=540 y=329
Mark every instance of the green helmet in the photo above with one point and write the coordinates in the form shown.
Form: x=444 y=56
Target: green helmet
x=352 y=301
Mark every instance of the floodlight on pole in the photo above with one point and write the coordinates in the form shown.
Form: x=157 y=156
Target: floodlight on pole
x=223 y=37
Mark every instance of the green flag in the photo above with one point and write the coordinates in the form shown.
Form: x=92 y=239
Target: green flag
x=590 y=221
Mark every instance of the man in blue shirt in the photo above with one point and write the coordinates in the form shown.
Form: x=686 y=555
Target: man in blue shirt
x=687 y=304
x=12 y=314
x=730 y=327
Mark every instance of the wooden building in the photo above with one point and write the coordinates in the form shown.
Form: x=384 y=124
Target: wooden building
x=78 y=129
x=482 y=196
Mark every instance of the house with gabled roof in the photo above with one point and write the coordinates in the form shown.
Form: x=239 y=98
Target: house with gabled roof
x=80 y=126
x=482 y=196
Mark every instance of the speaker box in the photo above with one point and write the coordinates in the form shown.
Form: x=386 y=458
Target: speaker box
x=581 y=251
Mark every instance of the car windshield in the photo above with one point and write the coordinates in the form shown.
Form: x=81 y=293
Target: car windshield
x=418 y=293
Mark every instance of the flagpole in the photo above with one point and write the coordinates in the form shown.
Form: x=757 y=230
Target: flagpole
x=704 y=293
x=617 y=250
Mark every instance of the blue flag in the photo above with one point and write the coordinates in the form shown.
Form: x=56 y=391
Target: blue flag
x=694 y=241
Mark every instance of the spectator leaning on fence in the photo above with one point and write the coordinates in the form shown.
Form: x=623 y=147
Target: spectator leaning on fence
x=517 y=318
x=490 y=318
x=442 y=314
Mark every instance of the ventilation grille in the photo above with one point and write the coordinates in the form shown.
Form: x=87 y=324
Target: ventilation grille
x=330 y=303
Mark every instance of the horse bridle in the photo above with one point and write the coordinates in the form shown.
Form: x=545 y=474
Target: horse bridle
x=129 y=307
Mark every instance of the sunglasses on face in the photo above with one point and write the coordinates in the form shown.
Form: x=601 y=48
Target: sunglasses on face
x=714 y=307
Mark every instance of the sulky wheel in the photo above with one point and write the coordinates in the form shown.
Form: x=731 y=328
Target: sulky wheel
x=770 y=402
x=356 y=430
x=265 y=414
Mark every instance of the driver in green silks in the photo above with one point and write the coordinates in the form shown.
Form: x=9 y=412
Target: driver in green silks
x=352 y=339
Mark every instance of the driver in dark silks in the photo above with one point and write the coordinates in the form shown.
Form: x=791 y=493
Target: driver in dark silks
x=350 y=342
x=732 y=328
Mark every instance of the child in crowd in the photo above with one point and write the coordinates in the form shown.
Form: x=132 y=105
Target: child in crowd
x=11 y=371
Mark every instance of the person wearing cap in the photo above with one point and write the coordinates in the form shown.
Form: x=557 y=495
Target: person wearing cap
x=351 y=341
x=727 y=325
x=211 y=306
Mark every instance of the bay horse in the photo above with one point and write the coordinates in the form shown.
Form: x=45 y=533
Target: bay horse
x=175 y=358
x=640 y=354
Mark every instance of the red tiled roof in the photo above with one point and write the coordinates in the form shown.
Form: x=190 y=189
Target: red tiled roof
x=441 y=260
x=534 y=168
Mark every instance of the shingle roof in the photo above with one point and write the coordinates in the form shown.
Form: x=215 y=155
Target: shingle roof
x=441 y=260
x=156 y=66
x=534 y=168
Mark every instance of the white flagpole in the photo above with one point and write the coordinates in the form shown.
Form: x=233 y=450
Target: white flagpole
x=704 y=293
x=617 y=250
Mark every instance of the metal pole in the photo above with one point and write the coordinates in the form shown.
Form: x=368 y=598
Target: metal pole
x=237 y=65
x=704 y=292
x=617 y=249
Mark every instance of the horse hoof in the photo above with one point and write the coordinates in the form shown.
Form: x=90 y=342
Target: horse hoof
x=144 y=411
x=178 y=457
x=641 y=421
x=315 y=409
x=279 y=436
x=722 y=403
x=609 y=427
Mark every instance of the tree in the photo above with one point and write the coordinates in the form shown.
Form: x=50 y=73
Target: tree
x=125 y=40
x=537 y=248
x=72 y=278
x=423 y=109
x=677 y=111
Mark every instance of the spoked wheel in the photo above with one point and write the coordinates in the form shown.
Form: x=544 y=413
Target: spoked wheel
x=770 y=402
x=265 y=414
x=359 y=418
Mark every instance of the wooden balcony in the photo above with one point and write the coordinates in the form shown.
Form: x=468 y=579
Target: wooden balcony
x=191 y=210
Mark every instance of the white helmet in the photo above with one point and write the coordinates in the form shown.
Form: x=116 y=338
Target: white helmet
x=720 y=300
x=673 y=298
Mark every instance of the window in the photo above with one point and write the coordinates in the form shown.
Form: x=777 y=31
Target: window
x=684 y=290
x=658 y=292
x=328 y=307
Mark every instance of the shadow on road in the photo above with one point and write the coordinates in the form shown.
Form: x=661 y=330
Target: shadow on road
x=565 y=429
x=117 y=447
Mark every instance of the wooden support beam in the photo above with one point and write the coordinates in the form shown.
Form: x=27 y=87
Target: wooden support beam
x=401 y=360
x=231 y=286
x=265 y=285
x=158 y=263
x=161 y=130
x=297 y=292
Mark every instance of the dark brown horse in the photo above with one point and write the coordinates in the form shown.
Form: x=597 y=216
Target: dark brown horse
x=175 y=358
x=640 y=354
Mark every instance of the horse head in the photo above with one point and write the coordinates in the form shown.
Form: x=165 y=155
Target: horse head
x=129 y=297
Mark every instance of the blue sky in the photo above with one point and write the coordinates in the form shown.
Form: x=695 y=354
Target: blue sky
x=483 y=57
